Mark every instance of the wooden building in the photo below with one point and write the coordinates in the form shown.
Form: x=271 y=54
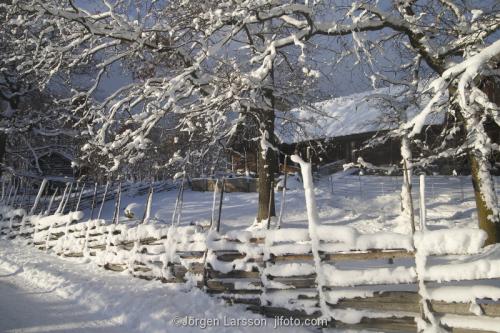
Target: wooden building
x=55 y=163
x=338 y=130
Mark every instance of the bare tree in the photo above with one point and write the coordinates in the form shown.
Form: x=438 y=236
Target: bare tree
x=210 y=60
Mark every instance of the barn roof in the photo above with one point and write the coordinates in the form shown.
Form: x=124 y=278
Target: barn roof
x=354 y=114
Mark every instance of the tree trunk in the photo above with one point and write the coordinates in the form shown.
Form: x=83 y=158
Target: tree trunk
x=482 y=181
x=3 y=143
x=3 y=137
x=267 y=166
x=483 y=184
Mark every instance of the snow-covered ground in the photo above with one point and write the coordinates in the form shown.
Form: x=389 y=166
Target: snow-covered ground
x=376 y=207
x=41 y=292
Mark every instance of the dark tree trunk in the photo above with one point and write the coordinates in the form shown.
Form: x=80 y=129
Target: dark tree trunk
x=267 y=167
x=3 y=137
x=3 y=143
x=482 y=180
x=485 y=214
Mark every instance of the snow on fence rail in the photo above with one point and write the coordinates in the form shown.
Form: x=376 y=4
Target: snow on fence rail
x=355 y=280
x=368 y=281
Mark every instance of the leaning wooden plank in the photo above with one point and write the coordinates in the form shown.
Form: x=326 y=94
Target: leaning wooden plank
x=243 y=287
x=146 y=277
x=237 y=299
x=409 y=301
x=273 y=312
x=464 y=330
x=291 y=257
x=229 y=255
x=372 y=304
x=388 y=325
x=190 y=255
x=115 y=267
x=295 y=282
x=98 y=247
x=371 y=255
x=73 y=255
x=488 y=309
x=142 y=269
x=253 y=240
x=213 y=274
x=179 y=270
x=470 y=324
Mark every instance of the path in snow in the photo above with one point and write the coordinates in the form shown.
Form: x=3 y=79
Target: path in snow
x=40 y=292
x=32 y=309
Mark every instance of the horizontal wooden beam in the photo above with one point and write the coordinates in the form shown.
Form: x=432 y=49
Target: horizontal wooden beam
x=224 y=286
x=346 y=256
x=409 y=302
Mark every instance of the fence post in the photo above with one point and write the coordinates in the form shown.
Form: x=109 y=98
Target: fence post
x=47 y=212
x=313 y=224
x=94 y=198
x=67 y=198
x=44 y=200
x=11 y=185
x=406 y=180
x=116 y=215
x=423 y=211
x=213 y=226
x=220 y=204
x=75 y=197
x=28 y=187
x=246 y=164
x=181 y=204
x=283 y=195
x=462 y=188
x=213 y=203
x=79 y=198
x=11 y=182
x=24 y=195
x=63 y=198
x=360 y=187
x=14 y=197
x=147 y=211
x=495 y=183
x=38 y=196
x=103 y=200
x=177 y=200
x=271 y=194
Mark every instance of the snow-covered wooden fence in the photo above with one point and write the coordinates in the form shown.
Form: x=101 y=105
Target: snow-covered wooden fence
x=367 y=280
x=385 y=280
x=42 y=197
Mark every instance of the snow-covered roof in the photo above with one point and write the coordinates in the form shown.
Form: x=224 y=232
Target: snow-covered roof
x=354 y=114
